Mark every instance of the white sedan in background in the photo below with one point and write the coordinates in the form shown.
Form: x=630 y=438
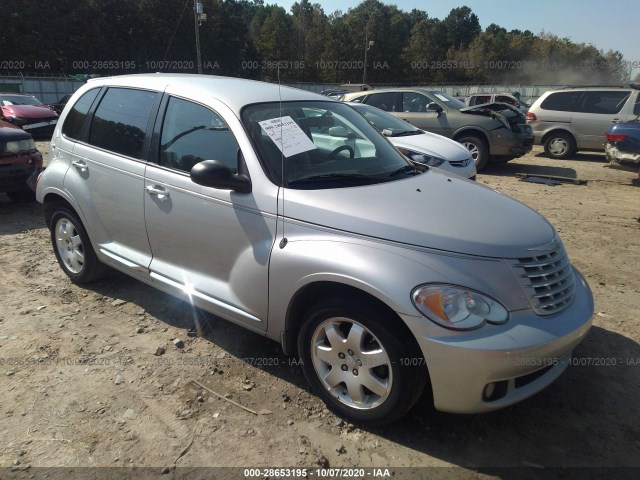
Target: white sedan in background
x=420 y=146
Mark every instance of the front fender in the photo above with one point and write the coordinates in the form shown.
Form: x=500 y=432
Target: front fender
x=386 y=271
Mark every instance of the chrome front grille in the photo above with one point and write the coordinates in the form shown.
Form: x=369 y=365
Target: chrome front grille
x=460 y=163
x=548 y=279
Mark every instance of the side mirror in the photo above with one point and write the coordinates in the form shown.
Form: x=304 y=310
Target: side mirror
x=339 y=132
x=215 y=174
x=434 y=107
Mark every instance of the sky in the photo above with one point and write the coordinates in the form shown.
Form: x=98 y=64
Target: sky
x=610 y=25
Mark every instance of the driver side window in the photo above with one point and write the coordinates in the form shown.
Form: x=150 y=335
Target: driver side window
x=192 y=133
x=414 y=102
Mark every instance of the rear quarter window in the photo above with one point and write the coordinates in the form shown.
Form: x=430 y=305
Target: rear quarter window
x=75 y=119
x=121 y=119
x=561 y=101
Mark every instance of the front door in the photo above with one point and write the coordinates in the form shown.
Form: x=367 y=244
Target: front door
x=213 y=245
x=415 y=110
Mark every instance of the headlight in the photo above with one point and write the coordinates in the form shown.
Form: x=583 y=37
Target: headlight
x=20 y=146
x=422 y=158
x=456 y=307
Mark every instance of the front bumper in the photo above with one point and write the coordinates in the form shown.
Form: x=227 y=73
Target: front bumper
x=16 y=169
x=496 y=366
x=505 y=143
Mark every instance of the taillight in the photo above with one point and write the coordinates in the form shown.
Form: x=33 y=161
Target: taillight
x=615 y=137
x=531 y=116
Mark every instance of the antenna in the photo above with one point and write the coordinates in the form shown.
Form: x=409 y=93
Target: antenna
x=283 y=242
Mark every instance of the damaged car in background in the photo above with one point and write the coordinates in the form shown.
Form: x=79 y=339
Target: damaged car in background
x=623 y=145
x=29 y=113
x=492 y=132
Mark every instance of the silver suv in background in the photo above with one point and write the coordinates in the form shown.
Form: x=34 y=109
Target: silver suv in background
x=289 y=214
x=572 y=119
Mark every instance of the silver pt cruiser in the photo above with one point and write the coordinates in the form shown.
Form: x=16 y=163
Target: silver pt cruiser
x=289 y=214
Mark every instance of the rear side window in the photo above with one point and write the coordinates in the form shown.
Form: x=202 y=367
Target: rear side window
x=636 y=107
x=383 y=101
x=505 y=99
x=479 y=99
x=74 y=122
x=561 y=101
x=603 y=102
x=192 y=133
x=120 y=121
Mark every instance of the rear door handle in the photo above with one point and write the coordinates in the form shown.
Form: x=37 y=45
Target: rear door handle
x=156 y=190
x=79 y=164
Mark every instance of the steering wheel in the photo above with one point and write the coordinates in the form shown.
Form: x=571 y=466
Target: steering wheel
x=333 y=154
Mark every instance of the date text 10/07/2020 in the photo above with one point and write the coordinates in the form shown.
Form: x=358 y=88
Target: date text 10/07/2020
x=317 y=472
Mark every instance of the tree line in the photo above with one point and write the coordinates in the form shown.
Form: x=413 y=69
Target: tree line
x=247 y=38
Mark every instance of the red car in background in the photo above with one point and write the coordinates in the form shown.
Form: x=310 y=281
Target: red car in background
x=28 y=113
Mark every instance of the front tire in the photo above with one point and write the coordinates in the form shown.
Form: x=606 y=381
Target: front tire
x=559 y=145
x=73 y=248
x=478 y=149
x=359 y=362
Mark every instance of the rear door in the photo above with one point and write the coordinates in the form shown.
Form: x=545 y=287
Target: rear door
x=107 y=174
x=209 y=244
x=597 y=109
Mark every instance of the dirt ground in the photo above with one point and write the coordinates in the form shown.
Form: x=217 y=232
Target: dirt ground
x=81 y=384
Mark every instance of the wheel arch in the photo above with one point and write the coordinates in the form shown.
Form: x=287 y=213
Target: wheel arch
x=311 y=293
x=52 y=200
x=555 y=130
x=468 y=132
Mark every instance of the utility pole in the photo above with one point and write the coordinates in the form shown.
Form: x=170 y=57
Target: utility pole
x=367 y=45
x=198 y=18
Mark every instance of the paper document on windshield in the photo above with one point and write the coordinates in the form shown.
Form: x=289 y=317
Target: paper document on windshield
x=287 y=136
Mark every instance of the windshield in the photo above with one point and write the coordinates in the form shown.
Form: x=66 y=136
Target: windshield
x=448 y=100
x=19 y=100
x=315 y=144
x=382 y=120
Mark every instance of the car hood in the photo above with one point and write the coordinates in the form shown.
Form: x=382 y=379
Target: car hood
x=432 y=144
x=433 y=210
x=30 y=111
x=493 y=106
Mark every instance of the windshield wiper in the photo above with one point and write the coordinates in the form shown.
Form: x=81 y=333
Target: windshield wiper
x=406 y=133
x=405 y=169
x=330 y=177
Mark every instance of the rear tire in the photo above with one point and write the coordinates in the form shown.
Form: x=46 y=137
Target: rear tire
x=359 y=362
x=73 y=248
x=478 y=149
x=559 y=145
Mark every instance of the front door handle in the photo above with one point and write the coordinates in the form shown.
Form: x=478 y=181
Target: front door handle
x=79 y=164
x=156 y=190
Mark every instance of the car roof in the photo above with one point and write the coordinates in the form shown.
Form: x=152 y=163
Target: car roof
x=598 y=88
x=236 y=93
